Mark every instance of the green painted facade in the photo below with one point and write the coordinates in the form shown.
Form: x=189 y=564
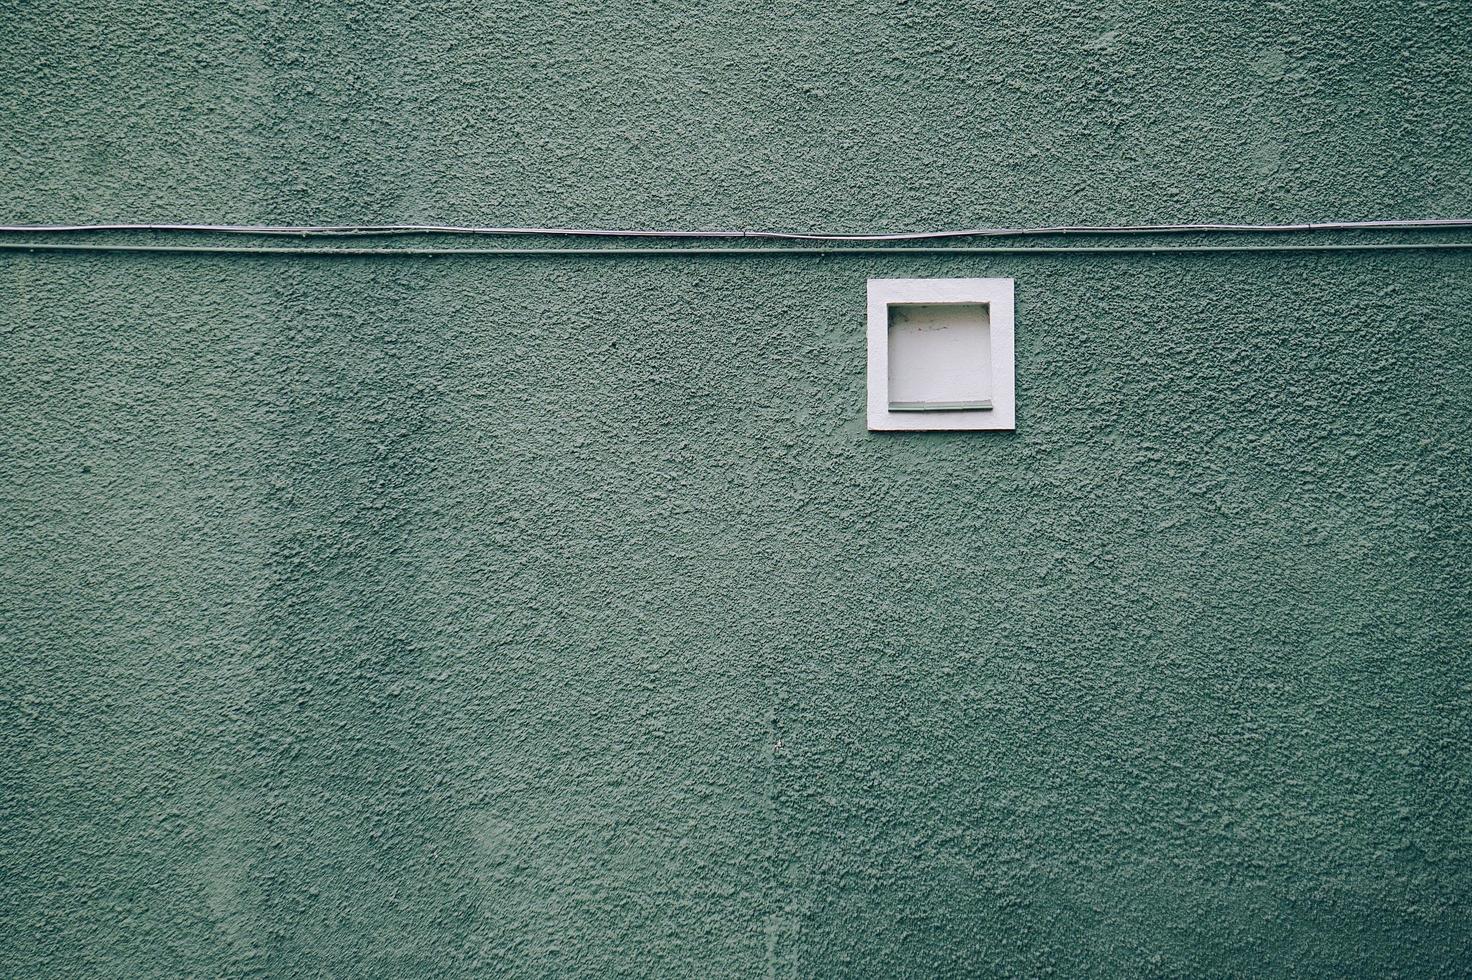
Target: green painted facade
x=405 y=617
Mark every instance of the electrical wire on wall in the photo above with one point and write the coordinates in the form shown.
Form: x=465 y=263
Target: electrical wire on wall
x=696 y=251
x=858 y=243
x=1412 y=224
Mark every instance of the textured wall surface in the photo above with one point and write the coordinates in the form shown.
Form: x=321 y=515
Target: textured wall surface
x=425 y=617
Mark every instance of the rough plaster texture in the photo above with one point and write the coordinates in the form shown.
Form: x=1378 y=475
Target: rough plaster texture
x=560 y=617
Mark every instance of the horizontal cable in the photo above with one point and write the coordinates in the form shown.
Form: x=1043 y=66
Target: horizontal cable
x=1019 y=250
x=1414 y=224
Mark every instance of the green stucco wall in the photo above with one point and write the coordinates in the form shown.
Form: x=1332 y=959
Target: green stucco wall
x=548 y=617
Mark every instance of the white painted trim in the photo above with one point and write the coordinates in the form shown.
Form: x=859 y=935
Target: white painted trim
x=997 y=295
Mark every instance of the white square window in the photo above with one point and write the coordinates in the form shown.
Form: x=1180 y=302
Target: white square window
x=940 y=354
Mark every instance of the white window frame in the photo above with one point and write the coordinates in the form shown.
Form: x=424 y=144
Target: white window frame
x=996 y=295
